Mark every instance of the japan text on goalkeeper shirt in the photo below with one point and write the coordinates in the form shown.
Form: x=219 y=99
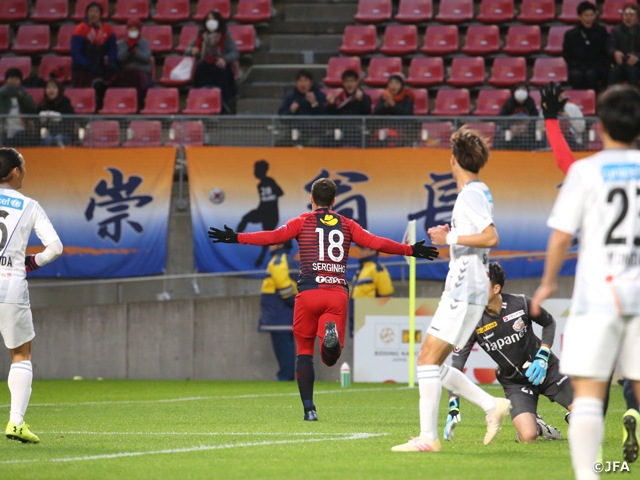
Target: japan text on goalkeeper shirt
x=468 y=279
x=600 y=200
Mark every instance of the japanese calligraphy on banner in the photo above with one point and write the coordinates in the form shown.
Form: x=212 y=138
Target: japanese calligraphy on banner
x=252 y=189
x=110 y=208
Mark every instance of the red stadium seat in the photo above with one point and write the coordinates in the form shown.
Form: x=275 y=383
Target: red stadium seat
x=436 y=134
x=584 y=99
x=537 y=11
x=486 y=129
x=426 y=71
x=414 y=11
x=359 y=40
x=244 y=36
x=452 y=103
x=36 y=93
x=203 y=101
x=126 y=9
x=440 y=40
x=63 y=44
x=466 y=72
x=612 y=10
x=13 y=10
x=32 y=39
x=506 y=71
x=82 y=99
x=21 y=63
x=400 y=40
x=490 y=102
x=337 y=65
x=161 y=101
x=253 y=11
x=81 y=6
x=547 y=70
x=49 y=11
x=4 y=38
x=482 y=40
x=144 y=133
x=188 y=133
x=205 y=6
x=535 y=95
x=374 y=94
x=455 y=11
x=120 y=101
x=522 y=40
x=380 y=69
x=120 y=31
x=169 y=64
x=421 y=101
x=169 y=11
x=187 y=35
x=555 y=39
x=569 y=12
x=102 y=134
x=55 y=65
x=160 y=38
x=373 y=11
x=495 y=11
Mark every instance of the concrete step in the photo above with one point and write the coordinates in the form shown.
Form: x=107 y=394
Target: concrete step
x=256 y=106
x=280 y=73
x=281 y=3
x=283 y=58
x=297 y=43
x=265 y=90
x=313 y=12
x=307 y=27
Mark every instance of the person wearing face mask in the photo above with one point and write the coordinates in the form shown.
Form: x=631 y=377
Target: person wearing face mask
x=134 y=60
x=396 y=99
x=624 y=48
x=521 y=132
x=215 y=51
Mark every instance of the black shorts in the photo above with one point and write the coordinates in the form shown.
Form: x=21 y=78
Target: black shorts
x=524 y=397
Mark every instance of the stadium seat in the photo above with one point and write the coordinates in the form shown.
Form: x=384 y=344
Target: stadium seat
x=400 y=40
x=452 y=103
x=253 y=11
x=337 y=65
x=486 y=129
x=57 y=66
x=63 y=44
x=205 y=6
x=374 y=94
x=359 y=40
x=612 y=10
x=332 y=91
x=102 y=134
x=49 y=11
x=507 y=71
x=466 y=72
x=436 y=134
x=169 y=64
x=495 y=11
x=169 y=11
x=426 y=71
x=161 y=101
x=490 y=102
x=482 y=40
x=36 y=93
x=203 y=101
x=421 y=101
x=21 y=63
x=555 y=39
x=32 y=39
x=373 y=11
x=120 y=31
x=160 y=38
x=188 y=133
x=144 y=133
x=537 y=11
x=120 y=101
x=522 y=40
x=82 y=99
x=414 y=11
x=380 y=69
x=547 y=70
x=187 y=35
x=126 y=9
x=244 y=36
x=569 y=12
x=13 y=10
x=4 y=38
x=81 y=6
x=455 y=11
x=535 y=95
x=584 y=99
x=440 y=40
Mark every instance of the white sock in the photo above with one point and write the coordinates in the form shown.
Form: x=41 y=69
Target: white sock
x=456 y=381
x=430 y=391
x=20 y=377
x=586 y=431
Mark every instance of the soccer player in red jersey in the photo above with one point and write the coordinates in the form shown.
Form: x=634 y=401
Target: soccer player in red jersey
x=324 y=238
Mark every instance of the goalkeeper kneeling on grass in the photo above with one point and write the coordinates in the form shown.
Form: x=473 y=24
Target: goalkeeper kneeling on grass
x=526 y=366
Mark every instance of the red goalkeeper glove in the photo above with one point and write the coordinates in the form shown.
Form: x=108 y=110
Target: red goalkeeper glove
x=30 y=263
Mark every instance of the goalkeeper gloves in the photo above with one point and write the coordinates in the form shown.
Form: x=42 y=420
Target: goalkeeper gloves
x=453 y=418
x=537 y=371
x=30 y=263
x=550 y=100
x=223 y=236
x=420 y=250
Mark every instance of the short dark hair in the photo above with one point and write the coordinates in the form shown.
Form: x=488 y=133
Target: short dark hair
x=9 y=159
x=261 y=167
x=630 y=6
x=304 y=73
x=619 y=112
x=584 y=6
x=12 y=73
x=496 y=275
x=349 y=74
x=93 y=4
x=323 y=192
x=470 y=149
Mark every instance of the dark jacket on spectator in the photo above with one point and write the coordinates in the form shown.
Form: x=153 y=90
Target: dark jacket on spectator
x=135 y=55
x=512 y=107
x=403 y=106
x=625 y=40
x=350 y=105
x=89 y=46
x=584 y=48
x=63 y=106
x=305 y=107
x=212 y=45
x=25 y=101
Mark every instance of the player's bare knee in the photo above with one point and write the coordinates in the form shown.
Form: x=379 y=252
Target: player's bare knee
x=527 y=436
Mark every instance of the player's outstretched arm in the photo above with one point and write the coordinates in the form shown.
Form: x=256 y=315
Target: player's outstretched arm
x=223 y=236
x=551 y=107
x=287 y=232
x=385 y=245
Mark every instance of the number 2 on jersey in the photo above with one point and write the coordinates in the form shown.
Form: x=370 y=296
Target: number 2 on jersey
x=622 y=193
x=334 y=244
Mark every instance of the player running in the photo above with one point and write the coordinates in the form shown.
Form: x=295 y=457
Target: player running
x=18 y=216
x=471 y=235
x=526 y=366
x=324 y=238
x=600 y=200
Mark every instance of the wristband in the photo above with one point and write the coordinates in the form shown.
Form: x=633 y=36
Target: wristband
x=452 y=238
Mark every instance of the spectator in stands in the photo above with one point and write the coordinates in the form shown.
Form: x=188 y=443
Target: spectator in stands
x=519 y=103
x=305 y=99
x=396 y=99
x=215 y=51
x=352 y=100
x=14 y=101
x=624 y=48
x=54 y=129
x=134 y=60
x=585 y=51
x=518 y=135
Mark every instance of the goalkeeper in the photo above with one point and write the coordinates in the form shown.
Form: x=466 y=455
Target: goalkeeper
x=526 y=366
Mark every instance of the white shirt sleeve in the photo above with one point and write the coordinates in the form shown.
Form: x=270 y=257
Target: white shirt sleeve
x=477 y=209
x=43 y=227
x=566 y=215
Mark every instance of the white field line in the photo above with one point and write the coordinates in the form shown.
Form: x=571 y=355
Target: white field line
x=201 y=448
x=257 y=434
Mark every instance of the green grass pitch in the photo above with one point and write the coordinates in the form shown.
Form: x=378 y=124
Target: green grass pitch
x=225 y=430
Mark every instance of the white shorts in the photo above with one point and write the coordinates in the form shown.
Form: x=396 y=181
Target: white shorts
x=593 y=343
x=455 y=321
x=16 y=324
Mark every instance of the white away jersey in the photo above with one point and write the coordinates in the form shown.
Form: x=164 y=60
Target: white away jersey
x=468 y=277
x=600 y=199
x=18 y=216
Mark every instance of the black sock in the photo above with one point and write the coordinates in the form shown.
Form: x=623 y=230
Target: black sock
x=305 y=376
x=330 y=355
